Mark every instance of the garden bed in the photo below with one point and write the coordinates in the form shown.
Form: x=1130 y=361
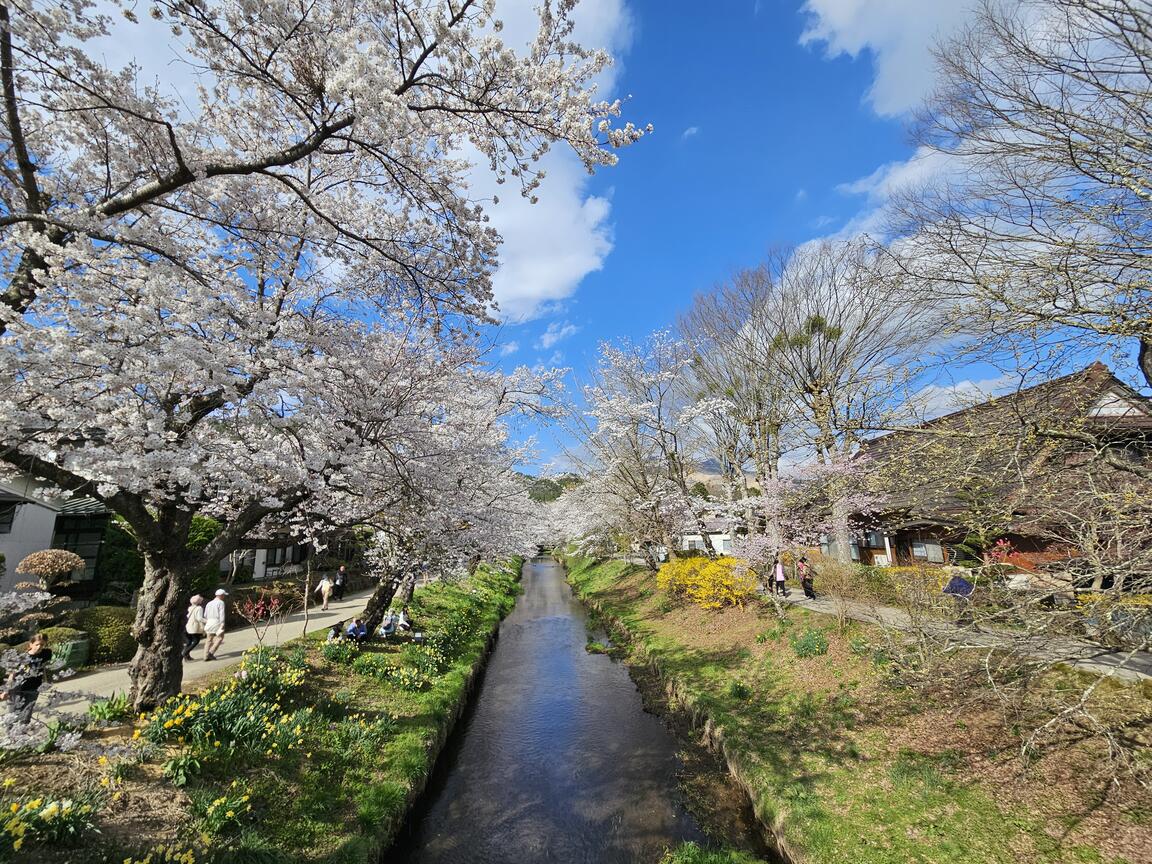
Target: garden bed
x=305 y=753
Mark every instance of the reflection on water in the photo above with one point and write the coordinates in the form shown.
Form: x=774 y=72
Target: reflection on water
x=557 y=762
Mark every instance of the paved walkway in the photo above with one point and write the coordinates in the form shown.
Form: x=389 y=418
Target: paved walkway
x=1082 y=655
x=81 y=690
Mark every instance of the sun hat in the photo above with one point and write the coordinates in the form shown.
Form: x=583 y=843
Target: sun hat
x=220 y=591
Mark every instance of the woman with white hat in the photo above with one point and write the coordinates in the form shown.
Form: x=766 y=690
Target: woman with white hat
x=194 y=626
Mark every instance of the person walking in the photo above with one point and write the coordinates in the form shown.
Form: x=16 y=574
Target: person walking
x=804 y=569
x=214 y=624
x=324 y=589
x=340 y=582
x=23 y=685
x=778 y=570
x=194 y=625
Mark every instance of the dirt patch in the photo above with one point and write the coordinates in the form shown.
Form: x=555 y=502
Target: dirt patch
x=1066 y=790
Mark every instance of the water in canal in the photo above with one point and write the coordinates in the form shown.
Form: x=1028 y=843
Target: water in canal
x=557 y=761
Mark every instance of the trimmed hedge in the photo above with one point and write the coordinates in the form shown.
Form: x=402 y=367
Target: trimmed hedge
x=110 y=629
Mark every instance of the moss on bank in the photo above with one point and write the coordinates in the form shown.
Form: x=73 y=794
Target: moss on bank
x=307 y=753
x=841 y=767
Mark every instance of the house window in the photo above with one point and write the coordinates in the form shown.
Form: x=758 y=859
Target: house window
x=82 y=535
x=7 y=515
x=928 y=550
x=874 y=540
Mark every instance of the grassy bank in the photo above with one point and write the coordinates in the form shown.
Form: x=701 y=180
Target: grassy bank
x=305 y=753
x=843 y=766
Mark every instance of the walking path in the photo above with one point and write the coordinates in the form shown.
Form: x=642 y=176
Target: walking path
x=83 y=689
x=1082 y=655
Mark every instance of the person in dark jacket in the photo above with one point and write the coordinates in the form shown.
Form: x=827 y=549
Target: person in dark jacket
x=340 y=582
x=960 y=590
x=804 y=571
x=23 y=685
x=357 y=631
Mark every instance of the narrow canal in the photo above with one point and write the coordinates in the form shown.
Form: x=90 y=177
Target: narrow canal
x=557 y=761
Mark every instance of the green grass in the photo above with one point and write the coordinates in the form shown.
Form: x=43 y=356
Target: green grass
x=690 y=853
x=832 y=786
x=340 y=797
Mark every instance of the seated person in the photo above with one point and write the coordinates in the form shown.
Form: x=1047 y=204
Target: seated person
x=404 y=622
x=357 y=632
x=388 y=625
x=335 y=632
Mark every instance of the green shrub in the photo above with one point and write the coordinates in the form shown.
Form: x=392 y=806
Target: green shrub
x=111 y=710
x=110 y=629
x=180 y=769
x=252 y=712
x=427 y=660
x=810 y=643
x=35 y=819
x=60 y=635
x=373 y=665
x=341 y=652
x=739 y=690
x=223 y=814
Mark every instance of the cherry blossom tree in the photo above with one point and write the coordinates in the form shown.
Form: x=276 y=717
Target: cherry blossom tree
x=640 y=439
x=254 y=304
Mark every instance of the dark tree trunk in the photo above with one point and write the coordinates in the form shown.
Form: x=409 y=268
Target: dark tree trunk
x=380 y=600
x=157 y=668
x=407 y=586
x=650 y=559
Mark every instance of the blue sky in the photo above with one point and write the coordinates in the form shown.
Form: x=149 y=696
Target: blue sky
x=776 y=122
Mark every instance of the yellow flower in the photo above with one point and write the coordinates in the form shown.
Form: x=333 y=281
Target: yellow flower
x=103 y=760
x=18 y=843
x=15 y=807
x=136 y=734
x=9 y=782
x=230 y=814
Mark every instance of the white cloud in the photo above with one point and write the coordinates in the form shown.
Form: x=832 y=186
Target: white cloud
x=509 y=348
x=897 y=34
x=690 y=132
x=556 y=332
x=551 y=246
x=924 y=167
x=801 y=196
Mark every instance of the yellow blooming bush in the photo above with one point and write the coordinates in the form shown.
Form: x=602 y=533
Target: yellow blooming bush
x=46 y=820
x=225 y=812
x=252 y=711
x=712 y=583
x=165 y=855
